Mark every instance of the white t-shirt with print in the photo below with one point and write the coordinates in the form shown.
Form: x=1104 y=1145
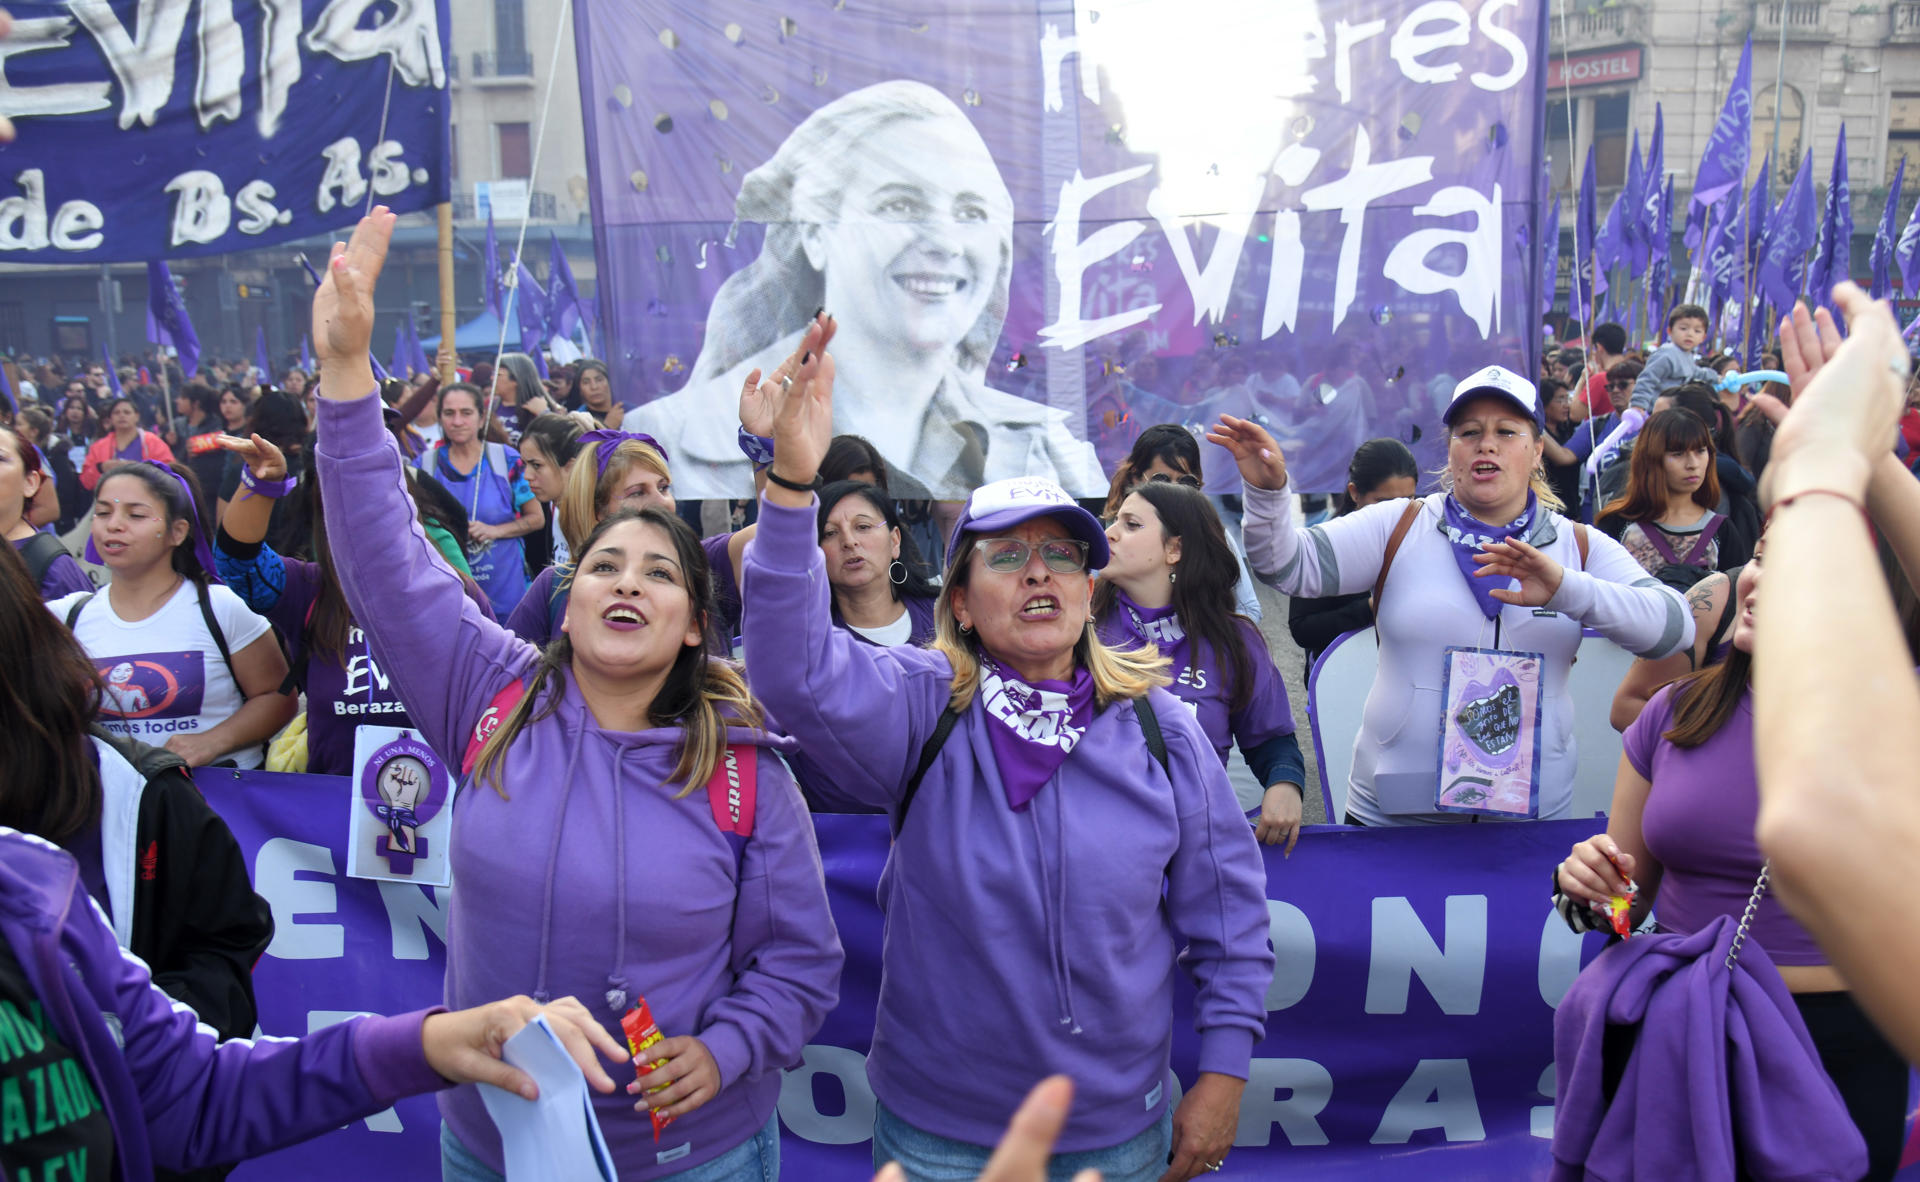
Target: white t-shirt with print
x=164 y=674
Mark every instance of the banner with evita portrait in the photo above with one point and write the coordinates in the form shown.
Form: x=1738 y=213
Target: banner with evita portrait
x=1043 y=226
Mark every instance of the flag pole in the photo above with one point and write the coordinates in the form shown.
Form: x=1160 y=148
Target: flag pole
x=447 y=316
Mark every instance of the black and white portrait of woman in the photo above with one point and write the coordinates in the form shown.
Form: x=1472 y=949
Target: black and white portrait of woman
x=885 y=208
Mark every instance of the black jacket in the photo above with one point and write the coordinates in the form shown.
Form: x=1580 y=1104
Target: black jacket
x=196 y=919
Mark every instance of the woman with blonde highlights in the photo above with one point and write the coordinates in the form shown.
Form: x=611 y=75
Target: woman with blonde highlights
x=1063 y=830
x=594 y=847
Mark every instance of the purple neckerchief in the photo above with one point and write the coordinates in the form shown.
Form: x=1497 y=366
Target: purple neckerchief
x=1468 y=535
x=1157 y=626
x=201 y=550
x=609 y=435
x=1035 y=726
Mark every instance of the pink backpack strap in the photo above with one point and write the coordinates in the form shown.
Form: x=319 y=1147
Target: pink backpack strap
x=490 y=720
x=731 y=792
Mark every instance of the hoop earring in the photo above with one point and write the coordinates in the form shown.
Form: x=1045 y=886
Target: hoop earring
x=965 y=629
x=897 y=573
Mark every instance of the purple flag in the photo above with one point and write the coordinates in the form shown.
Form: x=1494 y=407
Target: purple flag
x=1907 y=254
x=564 y=308
x=1724 y=162
x=494 y=304
x=1660 y=266
x=1589 y=283
x=260 y=359
x=402 y=356
x=113 y=371
x=1633 y=200
x=1833 y=259
x=306 y=357
x=1882 y=257
x=530 y=306
x=1782 y=272
x=1550 y=251
x=167 y=322
x=1654 y=179
x=416 y=352
x=380 y=373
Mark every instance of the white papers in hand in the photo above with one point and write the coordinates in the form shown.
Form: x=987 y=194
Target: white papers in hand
x=557 y=1137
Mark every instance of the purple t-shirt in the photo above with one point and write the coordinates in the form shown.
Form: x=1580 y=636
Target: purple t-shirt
x=1202 y=682
x=341 y=694
x=1699 y=823
x=64 y=575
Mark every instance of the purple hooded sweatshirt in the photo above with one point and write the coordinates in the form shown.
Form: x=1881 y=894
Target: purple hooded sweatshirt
x=1019 y=944
x=174 y=1098
x=1723 y=1071
x=596 y=874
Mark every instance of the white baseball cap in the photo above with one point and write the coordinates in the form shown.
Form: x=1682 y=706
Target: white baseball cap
x=1495 y=379
x=1006 y=503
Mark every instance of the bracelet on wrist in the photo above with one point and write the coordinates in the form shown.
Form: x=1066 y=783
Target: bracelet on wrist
x=1782 y=502
x=757 y=448
x=266 y=488
x=813 y=485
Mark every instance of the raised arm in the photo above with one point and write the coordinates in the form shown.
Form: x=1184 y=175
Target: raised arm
x=860 y=712
x=393 y=576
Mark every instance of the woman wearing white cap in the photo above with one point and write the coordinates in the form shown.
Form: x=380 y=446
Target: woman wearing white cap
x=1486 y=564
x=1065 y=833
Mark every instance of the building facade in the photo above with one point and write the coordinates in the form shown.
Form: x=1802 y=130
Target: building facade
x=1816 y=65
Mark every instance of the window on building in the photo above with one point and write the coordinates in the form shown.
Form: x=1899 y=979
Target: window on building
x=13 y=325
x=510 y=37
x=1903 y=137
x=1560 y=148
x=1792 y=111
x=516 y=151
x=1612 y=138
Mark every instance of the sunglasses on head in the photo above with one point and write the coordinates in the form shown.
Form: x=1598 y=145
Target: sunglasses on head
x=1163 y=478
x=1009 y=555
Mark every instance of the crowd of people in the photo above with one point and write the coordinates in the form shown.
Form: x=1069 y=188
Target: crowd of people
x=1043 y=696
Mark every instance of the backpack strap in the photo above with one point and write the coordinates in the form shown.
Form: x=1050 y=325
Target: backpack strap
x=1150 y=728
x=219 y=637
x=732 y=794
x=40 y=552
x=490 y=720
x=73 y=613
x=1394 y=539
x=929 y=751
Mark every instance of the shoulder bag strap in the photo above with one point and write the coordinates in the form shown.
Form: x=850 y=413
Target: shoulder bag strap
x=1747 y=916
x=928 y=753
x=1150 y=727
x=1393 y=547
x=73 y=613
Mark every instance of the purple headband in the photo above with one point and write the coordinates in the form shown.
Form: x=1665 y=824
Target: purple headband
x=610 y=436
x=201 y=549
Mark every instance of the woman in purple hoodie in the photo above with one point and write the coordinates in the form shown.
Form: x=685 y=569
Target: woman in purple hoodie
x=1064 y=831
x=627 y=830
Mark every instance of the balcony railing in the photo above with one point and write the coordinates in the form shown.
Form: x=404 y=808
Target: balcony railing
x=1804 y=20
x=1906 y=20
x=502 y=63
x=1616 y=24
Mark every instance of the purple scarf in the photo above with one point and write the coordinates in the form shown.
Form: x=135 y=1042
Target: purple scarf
x=1468 y=535
x=1157 y=626
x=1034 y=727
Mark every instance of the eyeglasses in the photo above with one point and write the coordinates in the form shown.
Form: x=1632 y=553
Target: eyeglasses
x=1163 y=478
x=1008 y=555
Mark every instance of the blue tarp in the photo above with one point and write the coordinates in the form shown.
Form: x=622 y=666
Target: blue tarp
x=482 y=332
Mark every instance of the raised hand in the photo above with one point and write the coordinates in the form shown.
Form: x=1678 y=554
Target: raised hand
x=1846 y=417
x=1807 y=342
x=1254 y=449
x=343 y=306
x=261 y=457
x=756 y=397
x=803 y=413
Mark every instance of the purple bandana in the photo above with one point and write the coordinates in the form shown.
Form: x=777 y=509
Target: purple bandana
x=201 y=550
x=608 y=435
x=1468 y=535
x=1038 y=725
x=1157 y=626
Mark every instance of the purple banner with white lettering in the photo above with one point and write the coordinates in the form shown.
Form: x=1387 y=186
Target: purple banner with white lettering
x=1410 y=1013
x=1043 y=226
x=150 y=130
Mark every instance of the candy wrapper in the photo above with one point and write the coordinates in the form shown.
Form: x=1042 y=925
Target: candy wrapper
x=641 y=1034
x=1621 y=909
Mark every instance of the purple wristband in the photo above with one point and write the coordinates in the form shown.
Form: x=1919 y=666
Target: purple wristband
x=267 y=488
x=757 y=448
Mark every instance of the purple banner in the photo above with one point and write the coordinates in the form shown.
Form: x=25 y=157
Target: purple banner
x=1044 y=226
x=1410 y=1014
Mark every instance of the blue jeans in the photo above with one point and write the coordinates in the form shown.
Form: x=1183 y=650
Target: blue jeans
x=757 y=1159
x=928 y=1157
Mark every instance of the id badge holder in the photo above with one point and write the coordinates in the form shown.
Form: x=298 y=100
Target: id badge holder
x=401 y=821
x=1490 y=707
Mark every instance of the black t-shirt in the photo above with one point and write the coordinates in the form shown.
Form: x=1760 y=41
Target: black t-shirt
x=51 y=1122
